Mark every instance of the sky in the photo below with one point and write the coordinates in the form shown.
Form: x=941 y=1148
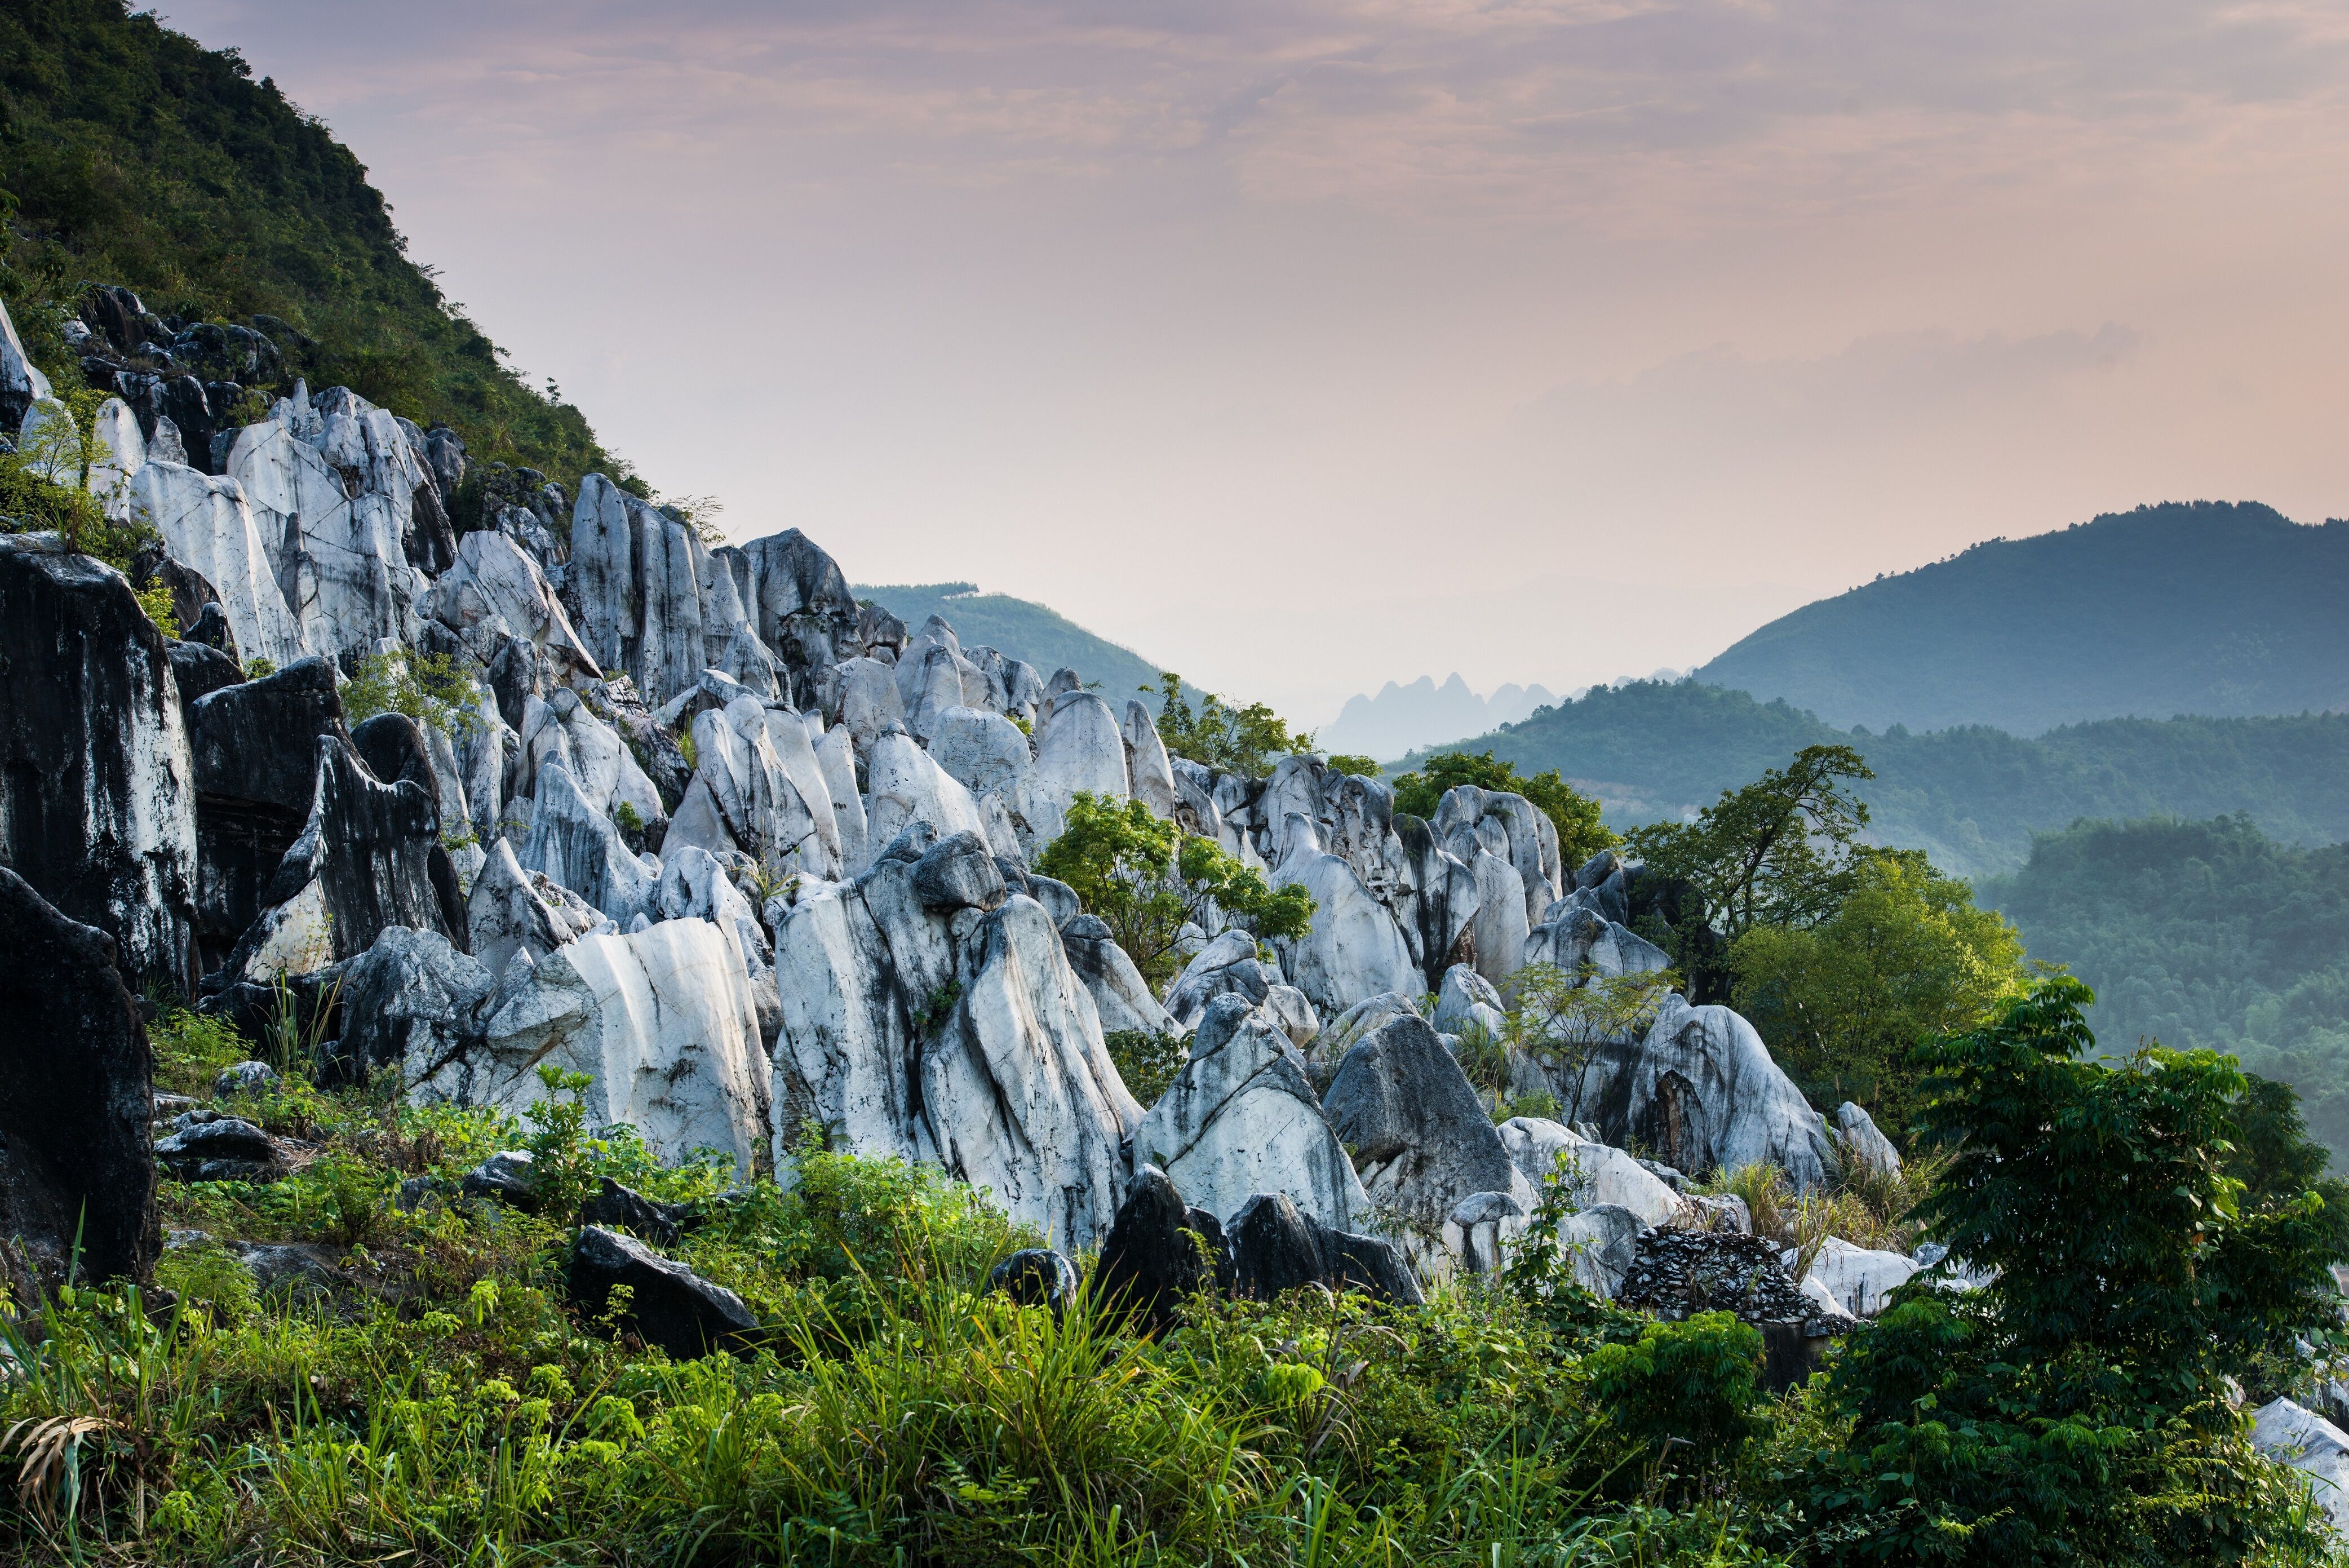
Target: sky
x=1304 y=345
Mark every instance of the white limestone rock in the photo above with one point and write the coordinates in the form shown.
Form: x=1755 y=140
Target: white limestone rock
x=1121 y=998
x=1149 y=776
x=662 y=1020
x=495 y=589
x=1862 y=1142
x=574 y=844
x=1357 y=947
x=2287 y=1431
x=906 y=786
x=340 y=557
x=1572 y=934
x=1858 y=1279
x=1467 y=999
x=207 y=527
x=1700 y=1090
x=835 y=753
x=1078 y=747
x=1593 y=1173
x=1242 y=1118
x=511 y=911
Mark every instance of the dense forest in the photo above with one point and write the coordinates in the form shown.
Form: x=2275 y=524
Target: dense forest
x=2228 y=609
x=131 y=155
x=1970 y=797
x=2202 y=934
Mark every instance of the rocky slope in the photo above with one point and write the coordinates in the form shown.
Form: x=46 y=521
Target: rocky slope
x=754 y=860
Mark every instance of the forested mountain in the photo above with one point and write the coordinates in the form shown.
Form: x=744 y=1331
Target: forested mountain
x=131 y=155
x=2202 y=933
x=1972 y=797
x=2204 y=608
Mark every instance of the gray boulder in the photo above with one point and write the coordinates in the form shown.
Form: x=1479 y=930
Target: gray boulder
x=1862 y=1142
x=670 y=1305
x=1277 y=1247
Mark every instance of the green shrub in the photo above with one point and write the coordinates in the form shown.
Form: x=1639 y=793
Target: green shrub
x=1147 y=1063
x=427 y=687
x=1692 y=1383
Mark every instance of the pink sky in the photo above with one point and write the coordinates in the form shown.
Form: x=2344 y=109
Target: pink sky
x=1304 y=345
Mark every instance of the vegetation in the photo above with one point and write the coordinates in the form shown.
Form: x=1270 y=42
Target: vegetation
x=1580 y=834
x=1250 y=741
x=1147 y=880
x=427 y=687
x=2205 y=608
x=131 y=155
x=1971 y=798
x=1782 y=851
x=2202 y=933
x=2075 y=1408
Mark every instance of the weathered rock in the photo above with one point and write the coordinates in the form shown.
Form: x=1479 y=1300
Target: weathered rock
x=364 y=861
x=1858 y=1279
x=662 y=1021
x=1157 y=1255
x=800 y=603
x=96 y=797
x=1077 y=748
x=247 y=1077
x=411 y=996
x=207 y=525
x=1702 y=1091
x=21 y=381
x=576 y=845
x=1437 y=901
x=1467 y=999
x=1227 y=966
x=341 y=557
x=1419 y=1135
x=198 y=671
x=77 y=1091
x=229 y=1149
x=1514 y=830
x=1605 y=1239
x=1861 y=1142
x=835 y=754
x=495 y=589
x=1681 y=1272
x=511 y=911
x=1593 y=1174
x=958 y=1036
x=1150 y=776
x=1351 y=1027
x=1035 y=1276
x=908 y=786
x=2291 y=1434
x=620 y=1208
x=1276 y=1247
x=1121 y=996
x=1572 y=936
x=507 y=1176
x=670 y=1305
x=1242 y=1118
x=1357 y=946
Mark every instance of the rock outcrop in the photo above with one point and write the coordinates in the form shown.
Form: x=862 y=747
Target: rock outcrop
x=77 y=1093
x=670 y=1305
x=97 y=784
x=1277 y=1247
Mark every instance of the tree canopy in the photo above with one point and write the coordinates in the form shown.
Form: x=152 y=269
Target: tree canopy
x=1580 y=834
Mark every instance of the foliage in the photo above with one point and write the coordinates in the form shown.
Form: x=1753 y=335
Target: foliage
x=155 y=604
x=1146 y=879
x=1146 y=1062
x=2075 y=1408
x=1353 y=766
x=1247 y=740
x=427 y=687
x=2203 y=933
x=1690 y=1383
x=1844 y=1002
x=1564 y=1017
x=1781 y=851
x=1580 y=834
x=41 y=492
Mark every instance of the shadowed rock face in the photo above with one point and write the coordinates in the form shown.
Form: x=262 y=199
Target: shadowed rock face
x=670 y=1305
x=97 y=803
x=77 y=1092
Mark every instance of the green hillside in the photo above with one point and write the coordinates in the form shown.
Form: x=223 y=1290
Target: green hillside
x=2202 y=933
x=2209 y=609
x=1972 y=797
x=1043 y=637
x=130 y=154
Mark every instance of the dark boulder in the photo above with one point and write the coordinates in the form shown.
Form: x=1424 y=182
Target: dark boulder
x=199 y=669
x=1158 y=1253
x=1419 y=1133
x=226 y=1148
x=256 y=765
x=191 y=593
x=364 y=862
x=77 y=1093
x=509 y=1176
x=95 y=808
x=1276 y=1247
x=1035 y=1276
x=621 y=1208
x=395 y=751
x=210 y=628
x=958 y=872
x=671 y=1306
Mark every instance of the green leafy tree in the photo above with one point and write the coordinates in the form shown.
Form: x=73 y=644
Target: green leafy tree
x=1692 y=1383
x=1146 y=879
x=1778 y=852
x=2271 y=1154
x=1250 y=741
x=427 y=687
x=1580 y=834
x=1843 y=1003
x=1353 y=766
x=2075 y=1408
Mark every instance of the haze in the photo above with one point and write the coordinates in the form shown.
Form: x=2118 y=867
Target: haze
x=1306 y=346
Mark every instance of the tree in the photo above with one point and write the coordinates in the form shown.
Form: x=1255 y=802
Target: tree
x=1564 y=1017
x=1147 y=880
x=1779 y=852
x=1246 y=740
x=2276 y=1160
x=2075 y=1407
x=1843 y=1003
x=1580 y=834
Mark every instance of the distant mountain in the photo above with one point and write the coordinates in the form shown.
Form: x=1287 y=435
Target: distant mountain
x=1972 y=797
x=2219 y=610
x=1425 y=714
x=1022 y=629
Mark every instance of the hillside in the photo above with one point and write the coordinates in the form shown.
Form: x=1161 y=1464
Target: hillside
x=1973 y=797
x=131 y=155
x=1425 y=714
x=2227 y=610
x=2202 y=933
x=1020 y=628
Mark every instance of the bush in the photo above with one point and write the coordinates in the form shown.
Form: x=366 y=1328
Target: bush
x=1147 y=1063
x=427 y=687
x=1690 y=1383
